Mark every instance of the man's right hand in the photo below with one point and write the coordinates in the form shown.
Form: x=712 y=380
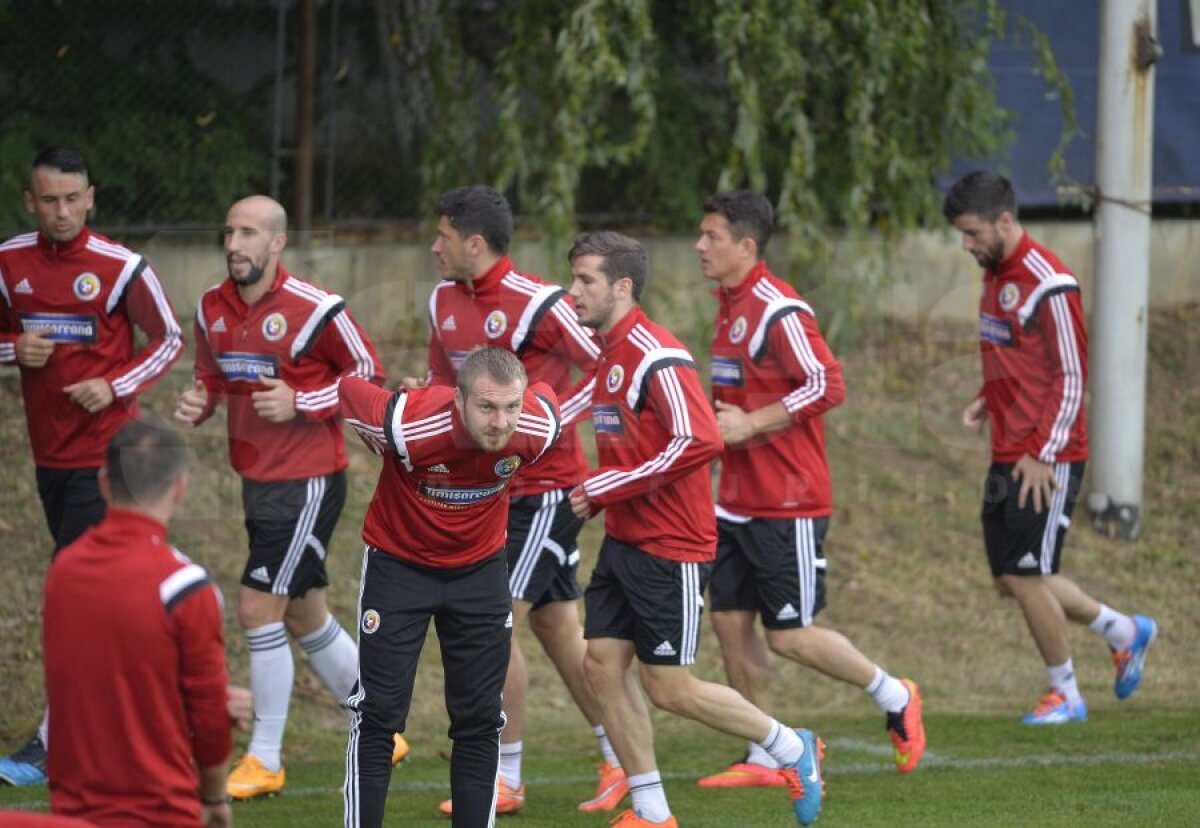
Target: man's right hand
x=974 y=415
x=33 y=349
x=192 y=403
x=217 y=816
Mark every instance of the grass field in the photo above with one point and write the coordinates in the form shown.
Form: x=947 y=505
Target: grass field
x=907 y=583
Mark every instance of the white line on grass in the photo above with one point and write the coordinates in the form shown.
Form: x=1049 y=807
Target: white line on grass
x=864 y=768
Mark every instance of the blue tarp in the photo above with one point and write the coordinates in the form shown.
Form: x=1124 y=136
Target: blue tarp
x=1073 y=27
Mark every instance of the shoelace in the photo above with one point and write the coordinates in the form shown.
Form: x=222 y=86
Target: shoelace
x=1049 y=701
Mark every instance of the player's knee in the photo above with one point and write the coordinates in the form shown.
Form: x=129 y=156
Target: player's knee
x=794 y=644
x=1003 y=585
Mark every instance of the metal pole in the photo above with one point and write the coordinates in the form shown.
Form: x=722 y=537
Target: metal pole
x=306 y=76
x=331 y=148
x=1120 y=316
x=277 y=125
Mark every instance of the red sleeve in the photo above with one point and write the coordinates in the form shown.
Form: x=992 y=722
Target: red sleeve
x=206 y=371
x=441 y=369
x=343 y=345
x=677 y=399
x=796 y=341
x=8 y=336
x=148 y=308
x=1060 y=319
x=203 y=680
x=365 y=407
x=559 y=331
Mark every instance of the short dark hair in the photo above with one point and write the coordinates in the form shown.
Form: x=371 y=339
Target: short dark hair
x=499 y=364
x=748 y=213
x=60 y=158
x=478 y=210
x=145 y=458
x=982 y=193
x=624 y=257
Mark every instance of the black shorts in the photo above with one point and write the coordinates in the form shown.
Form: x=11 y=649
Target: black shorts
x=542 y=551
x=289 y=523
x=651 y=601
x=71 y=500
x=1022 y=541
x=773 y=565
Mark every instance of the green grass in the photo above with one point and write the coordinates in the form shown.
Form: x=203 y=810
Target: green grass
x=907 y=584
x=1123 y=768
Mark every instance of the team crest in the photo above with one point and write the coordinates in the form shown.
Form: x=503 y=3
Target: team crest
x=507 y=466
x=370 y=621
x=274 y=327
x=1010 y=295
x=87 y=286
x=738 y=332
x=496 y=324
x=616 y=376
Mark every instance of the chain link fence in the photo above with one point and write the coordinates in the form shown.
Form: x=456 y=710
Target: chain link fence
x=182 y=107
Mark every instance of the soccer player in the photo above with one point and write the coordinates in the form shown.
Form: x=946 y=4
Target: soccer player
x=655 y=436
x=1033 y=346
x=435 y=550
x=134 y=660
x=274 y=347
x=71 y=300
x=773 y=376
x=484 y=300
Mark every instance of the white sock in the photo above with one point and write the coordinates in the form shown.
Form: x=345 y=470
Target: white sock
x=757 y=756
x=510 y=763
x=1062 y=679
x=649 y=797
x=332 y=653
x=44 y=729
x=782 y=743
x=1118 y=629
x=889 y=693
x=271 y=674
x=606 y=747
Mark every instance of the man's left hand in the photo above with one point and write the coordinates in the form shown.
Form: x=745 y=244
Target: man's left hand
x=1036 y=477
x=92 y=394
x=278 y=403
x=581 y=504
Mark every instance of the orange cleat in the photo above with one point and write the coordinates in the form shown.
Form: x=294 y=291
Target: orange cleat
x=907 y=731
x=744 y=775
x=629 y=819
x=610 y=790
x=399 y=749
x=250 y=779
x=508 y=801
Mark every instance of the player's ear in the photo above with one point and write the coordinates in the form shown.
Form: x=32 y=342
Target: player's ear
x=104 y=485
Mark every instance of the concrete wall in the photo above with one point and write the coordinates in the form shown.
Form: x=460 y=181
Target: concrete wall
x=929 y=277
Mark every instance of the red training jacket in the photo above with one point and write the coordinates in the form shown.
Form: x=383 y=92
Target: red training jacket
x=1033 y=345
x=767 y=349
x=655 y=433
x=439 y=501
x=135 y=676
x=537 y=322
x=301 y=334
x=86 y=295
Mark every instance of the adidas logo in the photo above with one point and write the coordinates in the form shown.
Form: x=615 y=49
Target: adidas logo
x=261 y=575
x=1027 y=562
x=788 y=613
x=664 y=649
x=23 y=286
x=450 y=324
x=439 y=468
x=219 y=325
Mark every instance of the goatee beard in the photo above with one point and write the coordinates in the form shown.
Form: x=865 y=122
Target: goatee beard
x=251 y=278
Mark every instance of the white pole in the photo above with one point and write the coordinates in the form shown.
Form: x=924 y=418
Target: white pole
x=1120 y=320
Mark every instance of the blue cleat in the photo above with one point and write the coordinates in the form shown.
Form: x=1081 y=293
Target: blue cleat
x=27 y=766
x=1054 y=709
x=804 y=778
x=1129 y=662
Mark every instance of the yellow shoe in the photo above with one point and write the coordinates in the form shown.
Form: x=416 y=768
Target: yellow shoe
x=399 y=749
x=630 y=819
x=509 y=801
x=250 y=779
